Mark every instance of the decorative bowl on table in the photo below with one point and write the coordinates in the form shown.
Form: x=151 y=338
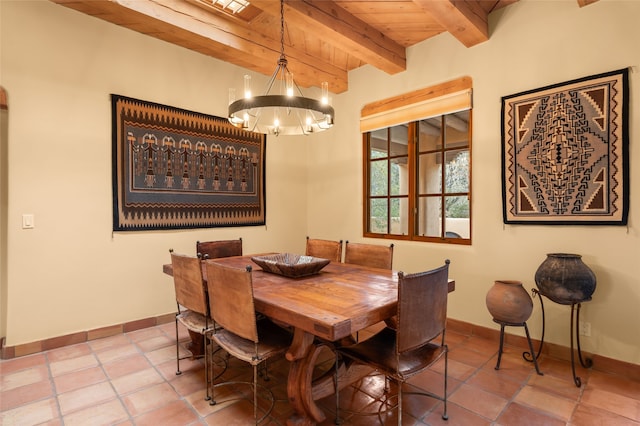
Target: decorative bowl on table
x=290 y=265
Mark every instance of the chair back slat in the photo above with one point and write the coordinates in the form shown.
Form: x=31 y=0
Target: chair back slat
x=188 y=282
x=325 y=249
x=422 y=307
x=371 y=255
x=218 y=249
x=231 y=299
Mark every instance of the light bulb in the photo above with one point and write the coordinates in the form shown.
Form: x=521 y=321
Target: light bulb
x=308 y=121
x=232 y=95
x=325 y=93
x=289 y=83
x=247 y=86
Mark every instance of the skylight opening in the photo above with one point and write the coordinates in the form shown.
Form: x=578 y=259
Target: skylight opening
x=232 y=6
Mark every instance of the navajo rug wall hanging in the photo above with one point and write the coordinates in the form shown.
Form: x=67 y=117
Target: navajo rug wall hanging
x=174 y=169
x=565 y=153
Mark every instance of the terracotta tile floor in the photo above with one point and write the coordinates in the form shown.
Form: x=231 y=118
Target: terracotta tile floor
x=130 y=380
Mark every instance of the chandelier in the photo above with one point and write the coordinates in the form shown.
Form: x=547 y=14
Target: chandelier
x=282 y=110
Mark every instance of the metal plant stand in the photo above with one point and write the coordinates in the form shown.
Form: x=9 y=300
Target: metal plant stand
x=524 y=354
x=575 y=311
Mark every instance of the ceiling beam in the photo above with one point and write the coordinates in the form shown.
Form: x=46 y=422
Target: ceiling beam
x=254 y=50
x=340 y=28
x=466 y=20
x=232 y=41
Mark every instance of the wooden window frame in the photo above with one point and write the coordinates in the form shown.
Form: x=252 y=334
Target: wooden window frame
x=388 y=113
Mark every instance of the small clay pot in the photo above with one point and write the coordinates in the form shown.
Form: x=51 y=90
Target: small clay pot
x=508 y=302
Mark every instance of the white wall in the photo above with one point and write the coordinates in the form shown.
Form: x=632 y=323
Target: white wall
x=532 y=44
x=71 y=273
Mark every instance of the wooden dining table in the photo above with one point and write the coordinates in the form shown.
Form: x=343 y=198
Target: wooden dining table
x=330 y=306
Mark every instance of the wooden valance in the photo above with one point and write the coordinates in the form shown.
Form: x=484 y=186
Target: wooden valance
x=448 y=97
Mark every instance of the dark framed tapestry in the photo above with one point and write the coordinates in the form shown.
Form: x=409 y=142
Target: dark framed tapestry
x=565 y=153
x=175 y=169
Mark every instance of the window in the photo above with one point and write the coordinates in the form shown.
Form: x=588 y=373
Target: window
x=418 y=173
x=242 y=9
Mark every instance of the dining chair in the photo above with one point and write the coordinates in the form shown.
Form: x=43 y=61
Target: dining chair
x=192 y=300
x=371 y=255
x=237 y=329
x=219 y=248
x=325 y=249
x=404 y=352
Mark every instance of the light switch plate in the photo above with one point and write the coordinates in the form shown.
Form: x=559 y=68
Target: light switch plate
x=28 y=221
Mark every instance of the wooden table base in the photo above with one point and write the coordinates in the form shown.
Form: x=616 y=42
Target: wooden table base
x=302 y=390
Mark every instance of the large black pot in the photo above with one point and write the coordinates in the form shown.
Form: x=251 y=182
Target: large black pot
x=565 y=279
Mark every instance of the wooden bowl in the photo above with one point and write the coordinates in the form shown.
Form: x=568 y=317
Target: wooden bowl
x=290 y=265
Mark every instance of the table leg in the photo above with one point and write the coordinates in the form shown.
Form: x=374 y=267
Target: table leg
x=302 y=390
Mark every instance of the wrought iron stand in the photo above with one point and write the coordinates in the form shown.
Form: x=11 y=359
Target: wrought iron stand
x=524 y=354
x=575 y=310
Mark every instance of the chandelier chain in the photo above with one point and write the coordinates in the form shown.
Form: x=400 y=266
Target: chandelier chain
x=281 y=28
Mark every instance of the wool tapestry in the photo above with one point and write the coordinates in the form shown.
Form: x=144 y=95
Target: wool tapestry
x=565 y=153
x=175 y=169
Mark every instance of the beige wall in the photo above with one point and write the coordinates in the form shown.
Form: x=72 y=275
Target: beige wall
x=71 y=273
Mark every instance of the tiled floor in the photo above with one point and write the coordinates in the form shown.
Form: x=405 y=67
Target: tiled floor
x=130 y=379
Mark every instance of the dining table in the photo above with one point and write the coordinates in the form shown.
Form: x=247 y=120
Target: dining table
x=323 y=309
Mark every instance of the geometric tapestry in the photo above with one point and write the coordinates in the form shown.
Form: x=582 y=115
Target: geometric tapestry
x=565 y=153
x=177 y=169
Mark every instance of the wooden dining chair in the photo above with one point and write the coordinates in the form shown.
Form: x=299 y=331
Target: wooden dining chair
x=192 y=301
x=219 y=248
x=237 y=329
x=371 y=255
x=402 y=353
x=325 y=249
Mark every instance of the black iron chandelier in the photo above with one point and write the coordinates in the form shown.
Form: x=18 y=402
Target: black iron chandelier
x=282 y=110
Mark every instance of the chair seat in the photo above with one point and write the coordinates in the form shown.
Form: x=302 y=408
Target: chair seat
x=193 y=321
x=272 y=340
x=379 y=352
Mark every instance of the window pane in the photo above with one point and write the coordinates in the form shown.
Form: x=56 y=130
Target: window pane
x=378 y=216
x=399 y=216
x=378 y=177
x=399 y=176
x=378 y=144
x=456 y=173
x=429 y=173
x=429 y=134
x=399 y=137
x=457 y=222
x=457 y=129
x=429 y=216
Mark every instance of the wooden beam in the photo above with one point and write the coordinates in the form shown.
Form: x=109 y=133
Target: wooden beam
x=192 y=27
x=466 y=20
x=583 y=3
x=340 y=28
x=256 y=51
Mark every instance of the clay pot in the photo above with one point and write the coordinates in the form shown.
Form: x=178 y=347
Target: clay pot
x=508 y=302
x=565 y=279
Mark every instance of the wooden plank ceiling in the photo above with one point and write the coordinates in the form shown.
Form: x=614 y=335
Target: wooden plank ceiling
x=323 y=39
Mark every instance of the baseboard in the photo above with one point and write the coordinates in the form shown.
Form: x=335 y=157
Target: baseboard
x=600 y=363
x=8 y=352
